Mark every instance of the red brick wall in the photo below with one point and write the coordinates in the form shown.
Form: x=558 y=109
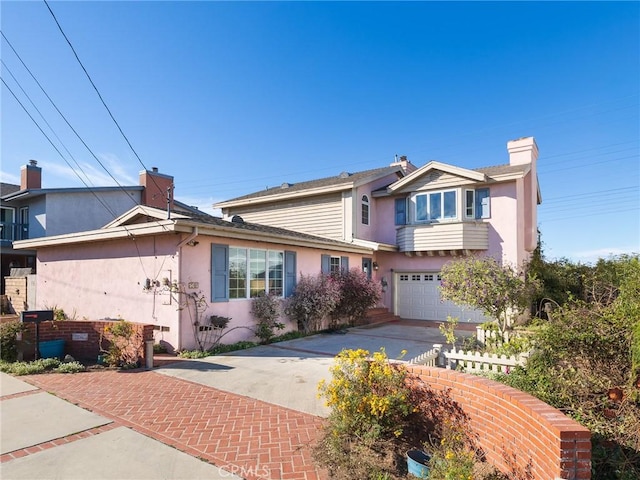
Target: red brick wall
x=80 y=349
x=513 y=422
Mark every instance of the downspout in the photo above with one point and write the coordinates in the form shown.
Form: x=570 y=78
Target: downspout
x=191 y=236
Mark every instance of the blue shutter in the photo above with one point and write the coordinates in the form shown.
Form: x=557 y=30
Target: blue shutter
x=483 y=203
x=289 y=273
x=344 y=264
x=219 y=273
x=325 y=264
x=401 y=211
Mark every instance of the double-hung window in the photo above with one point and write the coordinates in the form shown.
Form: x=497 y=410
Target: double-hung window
x=436 y=206
x=330 y=264
x=239 y=273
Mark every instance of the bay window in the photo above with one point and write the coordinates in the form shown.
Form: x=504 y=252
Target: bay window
x=436 y=206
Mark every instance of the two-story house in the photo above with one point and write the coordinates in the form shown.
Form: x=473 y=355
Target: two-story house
x=414 y=220
x=399 y=223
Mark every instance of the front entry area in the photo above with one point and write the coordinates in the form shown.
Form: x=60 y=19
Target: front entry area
x=418 y=297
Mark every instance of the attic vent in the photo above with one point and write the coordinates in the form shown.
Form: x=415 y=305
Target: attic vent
x=285 y=185
x=345 y=175
x=237 y=219
x=433 y=176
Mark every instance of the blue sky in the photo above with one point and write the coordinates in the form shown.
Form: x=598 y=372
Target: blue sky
x=232 y=97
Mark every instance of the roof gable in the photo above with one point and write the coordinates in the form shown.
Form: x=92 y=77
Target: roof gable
x=430 y=173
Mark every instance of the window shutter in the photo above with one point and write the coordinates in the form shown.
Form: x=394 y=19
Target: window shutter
x=344 y=264
x=325 y=264
x=219 y=273
x=290 y=273
x=483 y=203
x=401 y=211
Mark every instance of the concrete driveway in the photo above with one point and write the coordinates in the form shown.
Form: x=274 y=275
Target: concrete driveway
x=288 y=373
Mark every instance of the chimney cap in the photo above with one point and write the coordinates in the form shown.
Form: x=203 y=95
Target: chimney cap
x=33 y=163
x=154 y=169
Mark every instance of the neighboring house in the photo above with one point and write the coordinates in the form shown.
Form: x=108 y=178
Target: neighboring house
x=414 y=220
x=132 y=267
x=30 y=211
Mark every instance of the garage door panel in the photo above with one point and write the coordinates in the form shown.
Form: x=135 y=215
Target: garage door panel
x=418 y=297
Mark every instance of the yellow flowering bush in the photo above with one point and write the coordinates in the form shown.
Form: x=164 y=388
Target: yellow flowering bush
x=368 y=395
x=455 y=456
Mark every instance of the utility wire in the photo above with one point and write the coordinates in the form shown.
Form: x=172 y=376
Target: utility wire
x=100 y=96
x=56 y=148
x=63 y=117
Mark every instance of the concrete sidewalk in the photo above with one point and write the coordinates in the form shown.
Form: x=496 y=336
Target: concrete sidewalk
x=45 y=437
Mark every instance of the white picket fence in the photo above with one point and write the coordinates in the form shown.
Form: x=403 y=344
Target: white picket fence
x=472 y=362
x=483 y=362
x=429 y=358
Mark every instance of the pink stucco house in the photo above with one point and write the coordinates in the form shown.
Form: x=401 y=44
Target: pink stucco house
x=399 y=223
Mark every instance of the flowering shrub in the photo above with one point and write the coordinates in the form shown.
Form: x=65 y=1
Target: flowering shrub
x=357 y=294
x=266 y=309
x=368 y=397
x=482 y=283
x=315 y=297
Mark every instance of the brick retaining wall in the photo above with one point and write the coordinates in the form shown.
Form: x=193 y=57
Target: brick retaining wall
x=76 y=345
x=513 y=422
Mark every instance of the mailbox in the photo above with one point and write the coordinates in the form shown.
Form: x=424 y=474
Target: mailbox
x=36 y=316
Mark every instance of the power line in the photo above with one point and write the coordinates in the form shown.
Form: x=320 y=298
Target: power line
x=56 y=148
x=61 y=115
x=589 y=194
x=100 y=96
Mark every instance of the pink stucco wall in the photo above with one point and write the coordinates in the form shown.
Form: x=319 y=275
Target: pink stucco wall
x=106 y=280
x=196 y=265
x=102 y=280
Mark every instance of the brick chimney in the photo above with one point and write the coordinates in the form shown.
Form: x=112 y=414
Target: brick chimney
x=157 y=187
x=30 y=176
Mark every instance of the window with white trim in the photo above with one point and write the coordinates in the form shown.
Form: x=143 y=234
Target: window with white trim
x=477 y=203
x=365 y=210
x=331 y=264
x=240 y=273
x=436 y=206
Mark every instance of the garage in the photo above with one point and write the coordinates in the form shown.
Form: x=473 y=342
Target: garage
x=418 y=297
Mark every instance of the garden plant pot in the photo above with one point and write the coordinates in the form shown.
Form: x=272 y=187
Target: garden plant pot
x=418 y=463
x=51 y=349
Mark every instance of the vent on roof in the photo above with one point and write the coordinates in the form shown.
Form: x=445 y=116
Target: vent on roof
x=345 y=175
x=237 y=219
x=285 y=185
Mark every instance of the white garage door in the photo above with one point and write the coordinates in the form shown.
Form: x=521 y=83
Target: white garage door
x=418 y=297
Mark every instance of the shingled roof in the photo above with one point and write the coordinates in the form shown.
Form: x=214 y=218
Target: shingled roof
x=8 y=188
x=344 y=178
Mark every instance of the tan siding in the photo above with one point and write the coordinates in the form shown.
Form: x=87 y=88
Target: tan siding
x=436 y=180
x=318 y=216
x=451 y=236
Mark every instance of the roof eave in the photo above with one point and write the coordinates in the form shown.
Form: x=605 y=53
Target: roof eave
x=99 y=235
